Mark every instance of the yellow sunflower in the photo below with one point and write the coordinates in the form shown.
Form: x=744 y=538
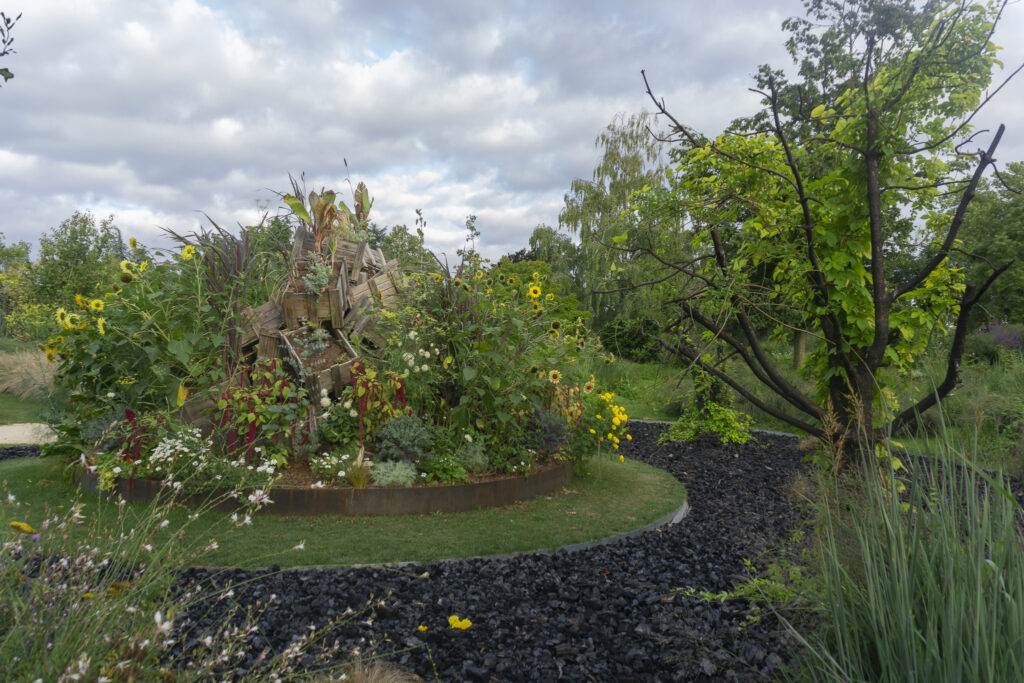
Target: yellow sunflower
x=534 y=292
x=96 y=304
x=187 y=253
x=554 y=377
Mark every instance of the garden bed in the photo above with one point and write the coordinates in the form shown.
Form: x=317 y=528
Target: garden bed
x=307 y=500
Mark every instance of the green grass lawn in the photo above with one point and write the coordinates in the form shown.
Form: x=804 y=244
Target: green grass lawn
x=14 y=410
x=613 y=498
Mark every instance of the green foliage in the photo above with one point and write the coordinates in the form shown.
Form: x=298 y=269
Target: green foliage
x=269 y=415
x=6 y=24
x=443 y=467
x=709 y=412
x=30 y=322
x=453 y=338
x=77 y=257
x=796 y=212
x=628 y=338
x=925 y=586
x=403 y=438
x=393 y=473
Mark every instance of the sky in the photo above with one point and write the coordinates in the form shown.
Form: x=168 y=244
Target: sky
x=159 y=112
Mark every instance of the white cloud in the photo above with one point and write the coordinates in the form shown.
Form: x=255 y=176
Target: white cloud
x=156 y=111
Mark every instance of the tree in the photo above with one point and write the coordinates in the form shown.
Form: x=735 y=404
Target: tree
x=822 y=188
x=994 y=227
x=597 y=211
x=77 y=257
x=6 y=24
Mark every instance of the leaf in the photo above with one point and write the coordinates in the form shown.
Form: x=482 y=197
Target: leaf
x=619 y=239
x=818 y=111
x=295 y=204
x=468 y=374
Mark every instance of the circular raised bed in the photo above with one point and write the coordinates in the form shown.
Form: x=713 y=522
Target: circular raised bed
x=370 y=501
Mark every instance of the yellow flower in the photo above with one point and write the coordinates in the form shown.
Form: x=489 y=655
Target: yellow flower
x=100 y=322
x=629 y=437
x=124 y=267
x=592 y=431
x=132 y=243
x=489 y=290
x=182 y=394
x=511 y=281
x=446 y=362
x=552 y=332
x=536 y=275
x=50 y=354
x=88 y=596
x=81 y=302
x=554 y=377
x=142 y=266
x=622 y=458
x=186 y=254
x=22 y=527
x=588 y=387
x=437 y=277
x=478 y=274
x=549 y=296
x=455 y=622
x=421 y=627
x=96 y=304
x=534 y=292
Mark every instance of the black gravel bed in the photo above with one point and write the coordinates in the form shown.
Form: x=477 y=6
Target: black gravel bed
x=11 y=452
x=605 y=613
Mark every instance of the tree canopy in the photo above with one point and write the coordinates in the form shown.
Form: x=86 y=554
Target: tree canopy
x=796 y=214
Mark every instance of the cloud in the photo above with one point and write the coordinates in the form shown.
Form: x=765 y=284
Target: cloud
x=162 y=110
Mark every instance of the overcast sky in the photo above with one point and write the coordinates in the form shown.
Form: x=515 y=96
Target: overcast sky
x=157 y=110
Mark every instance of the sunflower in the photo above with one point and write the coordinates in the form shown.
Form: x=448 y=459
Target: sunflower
x=536 y=275
x=534 y=292
x=581 y=343
x=187 y=253
x=536 y=306
x=510 y=281
x=100 y=322
x=554 y=377
x=437 y=277
x=549 y=296
x=132 y=243
x=96 y=304
x=588 y=387
x=553 y=332
x=80 y=301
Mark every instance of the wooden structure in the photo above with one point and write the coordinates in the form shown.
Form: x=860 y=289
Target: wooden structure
x=310 y=330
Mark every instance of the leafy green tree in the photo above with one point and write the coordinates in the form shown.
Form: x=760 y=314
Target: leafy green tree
x=6 y=24
x=994 y=229
x=600 y=269
x=398 y=244
x=77 y=257
x=820 y=193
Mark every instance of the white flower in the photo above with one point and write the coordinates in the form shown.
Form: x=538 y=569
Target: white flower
x=347 y=404
x=468 y=438
x=318 y=485
x=411 y=362
x=300 y=546
x=424 y=367
x=341 y=474
x=161 y=625
x=164 y=524
x=111 y=394
x=323 y=392
x=116 y=470
x=353 y=413
x=10 y=498
x=413 y=334
x=325 y=402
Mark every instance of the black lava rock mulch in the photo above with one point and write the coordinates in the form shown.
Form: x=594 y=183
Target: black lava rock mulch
x=11 y=452
x=606 y=613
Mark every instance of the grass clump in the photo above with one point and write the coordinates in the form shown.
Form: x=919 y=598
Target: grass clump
x=397 y=473
x=923 y=586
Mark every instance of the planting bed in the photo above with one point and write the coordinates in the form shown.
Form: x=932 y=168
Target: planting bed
x=603 y=613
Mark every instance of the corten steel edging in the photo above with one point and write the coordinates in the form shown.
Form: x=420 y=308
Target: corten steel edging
x=368 y=502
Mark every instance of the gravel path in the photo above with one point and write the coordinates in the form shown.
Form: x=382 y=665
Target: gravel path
x=606 y=613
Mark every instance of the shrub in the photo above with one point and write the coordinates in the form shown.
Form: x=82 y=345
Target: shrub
x=473 y=457
x=393 y=473
x=403 y=438
x=630 y=340
x=443 y=467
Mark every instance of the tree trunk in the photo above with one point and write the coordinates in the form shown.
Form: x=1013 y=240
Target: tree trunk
x=799 y=348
